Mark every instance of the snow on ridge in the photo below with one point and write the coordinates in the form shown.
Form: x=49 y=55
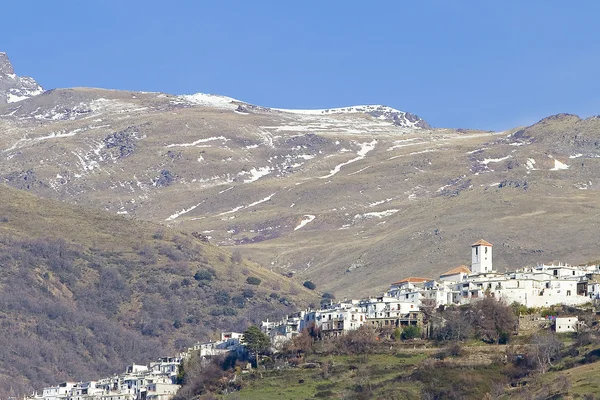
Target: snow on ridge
x=305 y=220
x=13 y=98
x=211 y=100
x=342 y=110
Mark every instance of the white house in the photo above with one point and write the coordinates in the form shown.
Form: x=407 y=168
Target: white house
x=457 y=274
x=59 y=391
x=566 y=324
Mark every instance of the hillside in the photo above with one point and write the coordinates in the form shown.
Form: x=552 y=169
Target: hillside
x=352 y=198
x=84 y=292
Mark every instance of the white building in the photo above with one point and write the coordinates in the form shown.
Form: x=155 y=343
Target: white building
x=566 y=324
x=481 y=257
x=57 y=392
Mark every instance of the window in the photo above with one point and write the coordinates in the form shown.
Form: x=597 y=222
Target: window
x=573 y=272
x=476 y=251
x=555 y=272
x=485 y=250
x=568 y=292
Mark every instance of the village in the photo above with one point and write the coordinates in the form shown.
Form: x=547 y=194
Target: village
x=403 y=305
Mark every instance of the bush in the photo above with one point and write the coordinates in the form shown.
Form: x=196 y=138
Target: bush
x=411 y=332
x=309 y=285
x=204 y=275
x=222 y=297
x=251 y=280
x=238 y=301
x=236 y=256
x=248 y=293
x=327 y=295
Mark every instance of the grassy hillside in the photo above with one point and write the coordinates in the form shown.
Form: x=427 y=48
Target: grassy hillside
x=401 y=372
x=83 y=293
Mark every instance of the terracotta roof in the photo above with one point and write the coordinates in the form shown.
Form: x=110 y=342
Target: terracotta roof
x=412 y=279
x=457 y=270
x=481 y=242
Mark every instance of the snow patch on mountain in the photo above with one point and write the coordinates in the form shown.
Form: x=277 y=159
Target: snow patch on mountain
x=257 y=173
x=379 y=214
x=184 y=211
x=494 y=160
x=364 y=149
x=530 y=165
x=305 y=220
x=196 y=142
x=559 y=166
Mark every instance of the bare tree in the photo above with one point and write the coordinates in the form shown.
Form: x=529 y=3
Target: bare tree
x=495 y=320
x=546 y=349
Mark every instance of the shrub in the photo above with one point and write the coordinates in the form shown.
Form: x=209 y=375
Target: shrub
x=411 y=332
x=309 y=285
x=248 y=293
x=327 y=295
x=236 y=256
x=238 y=301
x=203 y=275
x=251 y=280
x=222 y=297
x=455 y=349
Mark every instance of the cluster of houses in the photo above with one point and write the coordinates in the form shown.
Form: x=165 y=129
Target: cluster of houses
x=155 y=381
x=540 y=286
x=402 y=305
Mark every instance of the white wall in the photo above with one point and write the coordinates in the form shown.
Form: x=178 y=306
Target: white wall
x=566 y=324
x=481 y=259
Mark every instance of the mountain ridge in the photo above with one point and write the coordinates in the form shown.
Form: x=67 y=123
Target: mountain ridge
x=14 y=88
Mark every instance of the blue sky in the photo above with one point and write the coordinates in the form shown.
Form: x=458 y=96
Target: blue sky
x=471 y=64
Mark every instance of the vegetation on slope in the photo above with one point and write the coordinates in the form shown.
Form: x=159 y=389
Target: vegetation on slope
x=83 y=293
x=371 y=363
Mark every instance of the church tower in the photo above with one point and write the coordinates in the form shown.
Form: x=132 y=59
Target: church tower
x=481 y=257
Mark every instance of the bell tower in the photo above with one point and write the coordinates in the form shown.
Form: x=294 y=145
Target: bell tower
x=481 y=257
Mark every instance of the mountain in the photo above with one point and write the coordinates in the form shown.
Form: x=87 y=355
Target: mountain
x=14 y=88
x=83 y=293
x=352 y=198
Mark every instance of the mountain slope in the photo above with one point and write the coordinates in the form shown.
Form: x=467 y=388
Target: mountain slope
x=83 y=293
x=351 y=198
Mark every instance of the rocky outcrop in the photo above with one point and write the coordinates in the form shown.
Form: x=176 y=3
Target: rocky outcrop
x=15 y=88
